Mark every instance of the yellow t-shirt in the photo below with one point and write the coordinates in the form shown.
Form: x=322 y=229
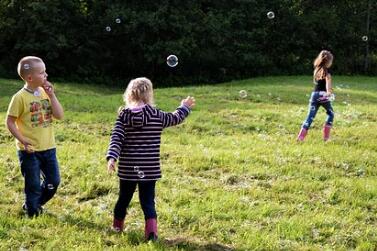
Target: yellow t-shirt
x=34 y=118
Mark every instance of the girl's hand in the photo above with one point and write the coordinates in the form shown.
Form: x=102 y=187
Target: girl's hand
x=111 y=165
x=49 y=88
x=189 y=102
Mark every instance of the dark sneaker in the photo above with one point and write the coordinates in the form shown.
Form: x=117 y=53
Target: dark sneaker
x=39 y=211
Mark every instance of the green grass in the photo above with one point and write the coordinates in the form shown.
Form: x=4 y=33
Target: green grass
x=233 y=175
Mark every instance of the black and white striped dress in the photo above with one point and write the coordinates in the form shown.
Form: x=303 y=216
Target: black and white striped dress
x=136 y=138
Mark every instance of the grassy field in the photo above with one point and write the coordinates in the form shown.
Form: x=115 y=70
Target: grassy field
x=234 y=178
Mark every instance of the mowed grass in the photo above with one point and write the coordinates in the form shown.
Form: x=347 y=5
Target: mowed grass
x=234 y=178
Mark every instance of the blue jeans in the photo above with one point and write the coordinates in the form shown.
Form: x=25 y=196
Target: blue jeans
x=41 y=173
x=146 y=197
x=318 y=99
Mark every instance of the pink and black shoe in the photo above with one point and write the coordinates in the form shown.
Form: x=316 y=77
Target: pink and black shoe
x=118 y=225
x=302 y=134
x=151 y=229
x=326 y=132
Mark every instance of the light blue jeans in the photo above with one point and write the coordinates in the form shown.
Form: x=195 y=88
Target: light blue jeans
x=318 y=99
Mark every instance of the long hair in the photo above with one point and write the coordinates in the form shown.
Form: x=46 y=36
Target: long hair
x=321 y=64
x=139 y=90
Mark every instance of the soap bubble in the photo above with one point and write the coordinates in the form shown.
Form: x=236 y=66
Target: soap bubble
x=136 y=168
x=141 y=174
x=365 y=38
x=206 y=152
x=360 y=172
x=172 y=60
x=102 y=207
x=37 y=93
x=270 y=15
x=26 y=66
x=332 y=97
x=108 y=28
x=118 y=21
x=120 y=109
x=243 y=94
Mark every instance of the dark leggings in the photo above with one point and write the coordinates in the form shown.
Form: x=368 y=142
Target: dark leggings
x=146 y=197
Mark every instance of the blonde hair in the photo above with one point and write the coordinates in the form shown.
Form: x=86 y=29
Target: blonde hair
x=321 y=64
x=138 y=90
x=26 y=65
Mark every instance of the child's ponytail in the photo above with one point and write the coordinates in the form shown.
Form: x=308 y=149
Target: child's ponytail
x=321 y=65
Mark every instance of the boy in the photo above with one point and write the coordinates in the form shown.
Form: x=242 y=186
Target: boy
x=29 y=119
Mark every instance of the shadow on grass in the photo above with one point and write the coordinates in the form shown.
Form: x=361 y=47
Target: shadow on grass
x=185 y=244
x=76 y=221
x=134 y=237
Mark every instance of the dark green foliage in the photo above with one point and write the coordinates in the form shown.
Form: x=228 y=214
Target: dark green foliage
x=214 y=40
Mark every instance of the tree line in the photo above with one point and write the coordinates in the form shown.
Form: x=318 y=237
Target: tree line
x=110 y=42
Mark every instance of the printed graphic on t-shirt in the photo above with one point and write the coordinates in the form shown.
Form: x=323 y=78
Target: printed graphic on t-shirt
x=41 y=113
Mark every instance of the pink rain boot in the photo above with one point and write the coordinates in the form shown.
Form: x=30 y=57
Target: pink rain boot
x=302 y=134
x=326 y=132
x=118 y=225
x=151 y=229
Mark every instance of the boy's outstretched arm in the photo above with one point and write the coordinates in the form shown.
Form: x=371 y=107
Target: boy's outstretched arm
x=57 y=109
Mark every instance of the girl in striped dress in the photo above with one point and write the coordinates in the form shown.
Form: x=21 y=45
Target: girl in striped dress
x=135 y=144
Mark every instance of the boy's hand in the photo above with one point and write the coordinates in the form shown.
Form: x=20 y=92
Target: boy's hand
x=29 y=148
x=48 y=87
x=111 y=165
x=189 y=102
